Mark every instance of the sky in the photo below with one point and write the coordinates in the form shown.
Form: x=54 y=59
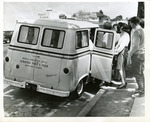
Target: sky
x=13 y=11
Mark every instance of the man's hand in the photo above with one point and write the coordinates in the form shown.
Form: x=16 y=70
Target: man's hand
x=116 y=52
x=129 y=60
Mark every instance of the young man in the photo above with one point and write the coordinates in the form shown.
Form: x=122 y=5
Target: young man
x=136 y=55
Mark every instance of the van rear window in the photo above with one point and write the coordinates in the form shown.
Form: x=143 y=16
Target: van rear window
x=53 y=38
x=82 y=39
x=28 y=34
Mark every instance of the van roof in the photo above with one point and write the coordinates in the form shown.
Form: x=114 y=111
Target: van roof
x=62 y=23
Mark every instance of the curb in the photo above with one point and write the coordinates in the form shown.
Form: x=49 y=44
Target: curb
x=90 y=105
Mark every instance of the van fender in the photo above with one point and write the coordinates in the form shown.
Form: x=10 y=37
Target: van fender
x=84 y=77
x=79 y=89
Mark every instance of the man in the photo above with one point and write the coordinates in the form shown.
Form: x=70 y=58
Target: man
x=136 y=55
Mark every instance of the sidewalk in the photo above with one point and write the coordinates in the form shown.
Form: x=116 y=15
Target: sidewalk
x=112 y=102
x=138 y=109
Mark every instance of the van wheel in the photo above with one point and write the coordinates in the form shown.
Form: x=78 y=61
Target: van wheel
x=78 y=91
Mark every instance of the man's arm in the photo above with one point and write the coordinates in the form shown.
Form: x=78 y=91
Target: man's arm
x=135 y=43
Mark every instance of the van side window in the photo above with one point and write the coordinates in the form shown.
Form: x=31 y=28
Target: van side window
x=53 y=38
x=81 y=39
x=28 y=34
x=104 y=40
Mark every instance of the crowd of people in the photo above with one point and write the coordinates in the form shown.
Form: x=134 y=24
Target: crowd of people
x=129 y=50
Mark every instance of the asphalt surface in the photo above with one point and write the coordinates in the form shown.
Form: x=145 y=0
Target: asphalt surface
x=113 y=103
x=106 y=101
x=24 y=103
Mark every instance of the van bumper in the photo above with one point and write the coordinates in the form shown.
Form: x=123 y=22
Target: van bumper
x=39 y=88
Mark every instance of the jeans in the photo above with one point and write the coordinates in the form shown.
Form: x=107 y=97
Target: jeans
x=137 y=68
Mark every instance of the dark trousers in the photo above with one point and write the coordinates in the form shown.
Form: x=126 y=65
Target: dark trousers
x=137 y=68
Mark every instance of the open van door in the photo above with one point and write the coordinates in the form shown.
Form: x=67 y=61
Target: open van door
x=102 y=55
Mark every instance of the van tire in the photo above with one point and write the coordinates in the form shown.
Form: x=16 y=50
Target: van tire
x=78 y=91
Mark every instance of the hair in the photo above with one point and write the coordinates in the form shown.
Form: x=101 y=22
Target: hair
x=115 y=25
x=119 y=25
x=142 y=23
x=134 y=20
x=107 y=25
x=125 y=28
x=118 y=28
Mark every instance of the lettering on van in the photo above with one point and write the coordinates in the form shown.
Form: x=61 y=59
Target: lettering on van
x=29 y=62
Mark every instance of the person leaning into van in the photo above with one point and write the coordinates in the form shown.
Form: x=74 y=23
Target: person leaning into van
x=116 y=28
x=121 y=50
x=136 y=55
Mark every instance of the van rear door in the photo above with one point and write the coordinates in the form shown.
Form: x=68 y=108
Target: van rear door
x=23 y=52
x=102 y=55
x=49 y=58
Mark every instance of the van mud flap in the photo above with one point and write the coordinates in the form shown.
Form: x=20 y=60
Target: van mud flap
x=30 y=86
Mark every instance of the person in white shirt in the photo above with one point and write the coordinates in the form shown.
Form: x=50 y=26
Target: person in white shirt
x=121 y=50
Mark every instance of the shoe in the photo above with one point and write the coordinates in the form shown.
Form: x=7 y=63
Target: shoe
x=122 y=86
x=116 y=82
x=138 y=95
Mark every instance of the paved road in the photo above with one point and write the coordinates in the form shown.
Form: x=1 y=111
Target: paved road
x=113 y=102
x=118 y=102
x=24 y=103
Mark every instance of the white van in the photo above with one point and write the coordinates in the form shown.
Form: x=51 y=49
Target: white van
x=52 y=56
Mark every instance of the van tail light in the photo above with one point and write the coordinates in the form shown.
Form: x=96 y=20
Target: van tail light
x=7 y=59
x=17 y=66
x=66 y=70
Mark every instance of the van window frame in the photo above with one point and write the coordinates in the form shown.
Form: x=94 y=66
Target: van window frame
x=87 y=38
x=26 y=42
x=56 y=30
x=104 y=33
